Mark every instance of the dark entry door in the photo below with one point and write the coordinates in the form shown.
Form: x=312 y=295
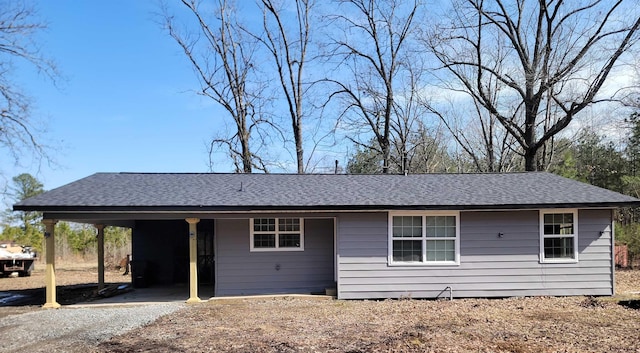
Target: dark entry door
x=206 y=261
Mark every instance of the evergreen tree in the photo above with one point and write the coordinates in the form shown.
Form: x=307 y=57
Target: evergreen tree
x=24 y=228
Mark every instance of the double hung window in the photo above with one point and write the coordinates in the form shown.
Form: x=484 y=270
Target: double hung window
x=431 y=238
x=277 y=234
x=558 y=235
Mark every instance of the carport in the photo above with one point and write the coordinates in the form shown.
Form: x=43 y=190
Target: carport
x=139 y=270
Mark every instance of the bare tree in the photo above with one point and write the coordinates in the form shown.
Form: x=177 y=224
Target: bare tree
x=424 y=151
x=374 y=39
x=288 y=49
x=483 y=140
x=480 y=137
x=555 y=55
x=416 y=145
x=223 y=57
x=19 y=26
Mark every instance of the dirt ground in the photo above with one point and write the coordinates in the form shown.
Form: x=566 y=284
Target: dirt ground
x=523 y=325
x=77 y=282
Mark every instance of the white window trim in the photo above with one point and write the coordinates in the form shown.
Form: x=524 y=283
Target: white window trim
x=543 y=212
x=277 y=233
x=423 y=238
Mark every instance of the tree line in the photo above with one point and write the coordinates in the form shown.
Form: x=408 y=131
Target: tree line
x=72 y=240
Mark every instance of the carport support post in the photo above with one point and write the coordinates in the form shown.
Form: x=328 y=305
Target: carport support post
x=193 y=258
x=50 y=269
x=100 y=236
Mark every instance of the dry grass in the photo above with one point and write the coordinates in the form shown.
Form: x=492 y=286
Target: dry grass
x=295 y=325
x=67 y=273
x=573 y=324
x=627 y=282
x=522 y=325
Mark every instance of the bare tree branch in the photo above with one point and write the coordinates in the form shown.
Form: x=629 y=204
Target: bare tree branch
x=20 y=135
x=223 y=60
x=547 y=48
x=371 y=44
x=289 y=53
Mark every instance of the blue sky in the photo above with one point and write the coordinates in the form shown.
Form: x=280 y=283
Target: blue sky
x=125 y=102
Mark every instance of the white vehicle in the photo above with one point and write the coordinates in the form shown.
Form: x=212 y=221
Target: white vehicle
x=15 y=258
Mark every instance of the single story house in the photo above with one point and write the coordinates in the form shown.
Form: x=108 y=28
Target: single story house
x=367 y=236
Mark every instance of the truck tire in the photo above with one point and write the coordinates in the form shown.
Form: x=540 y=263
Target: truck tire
x=24 y=273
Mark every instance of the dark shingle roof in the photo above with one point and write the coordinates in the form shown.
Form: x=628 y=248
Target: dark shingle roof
x=211 y=192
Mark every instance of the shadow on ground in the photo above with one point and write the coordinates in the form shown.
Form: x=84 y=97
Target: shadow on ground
x=65 y=295
x=631 y=304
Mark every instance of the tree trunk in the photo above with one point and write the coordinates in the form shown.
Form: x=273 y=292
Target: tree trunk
x=530 y=164
x=246 y=154
x=386 y=154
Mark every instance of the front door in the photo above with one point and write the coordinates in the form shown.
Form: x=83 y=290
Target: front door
x=205 y=252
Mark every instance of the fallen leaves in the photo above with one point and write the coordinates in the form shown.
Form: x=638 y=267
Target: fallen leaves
x=525 y=325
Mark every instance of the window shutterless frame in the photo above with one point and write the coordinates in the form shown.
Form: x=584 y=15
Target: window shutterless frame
x=559 y=228
x=274 y=234
x=428 y=236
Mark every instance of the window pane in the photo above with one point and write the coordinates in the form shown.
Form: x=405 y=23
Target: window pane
x=450 y=256
x=566 y=229
x=558 y=224
x=449 y=245
x=548 y=218
x=451 y=232
x=289 y=224
x=264 y=240
x=407 y=250
x=568 y=218
x=264 y=225
x=289 y=240
x=558 y=248
x=450 y=221
x=407 y=226
x=431 y=221
x=441 y=250
x=441 y=227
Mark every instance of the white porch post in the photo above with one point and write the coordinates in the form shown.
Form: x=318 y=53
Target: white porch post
x=100 y=236
x=50 y=265
x=193 y=260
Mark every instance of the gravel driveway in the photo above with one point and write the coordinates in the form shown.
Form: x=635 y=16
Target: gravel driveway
x=75 y=329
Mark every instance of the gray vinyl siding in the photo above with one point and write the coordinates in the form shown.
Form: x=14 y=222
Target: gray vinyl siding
x=241 y=272
x=490 y=266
